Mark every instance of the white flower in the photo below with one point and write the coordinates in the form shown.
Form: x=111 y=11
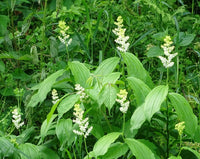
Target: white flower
x=120 y=32
x=124 y=105
x=80 y=92
x=17 y=118
x=82 y=123
x=64 y=38
x=55 y=96
x=167 y=50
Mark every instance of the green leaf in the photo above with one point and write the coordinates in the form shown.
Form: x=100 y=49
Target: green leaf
x=47 y=153
x=193 y=151
x=187 y=39
x=46 y=127
x=154 y=100
x=102 y=145
x=136 y=69
x=138 y=118
x=159 y=36
x=174 y=157
x=197 y=134
x=111 y=78
x=184 y=112
x=6 y=147
x=2 y=66
x=29 y=150
x=107 y=66
x=64 y=131
x=53 y=108
x=139 y=150
x=3 y=25
x=116 y=150
x=140 y=89
x=108 y=96
x=44 y=89
x=53 y=47
x=81 y=73
x=66 y=104
x=155 y=51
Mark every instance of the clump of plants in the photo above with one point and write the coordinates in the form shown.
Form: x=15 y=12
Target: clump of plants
x=104 y=89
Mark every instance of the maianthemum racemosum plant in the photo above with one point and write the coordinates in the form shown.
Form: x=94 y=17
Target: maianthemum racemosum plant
x=107 y=114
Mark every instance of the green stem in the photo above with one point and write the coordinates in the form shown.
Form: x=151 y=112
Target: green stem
x=86 y=147
x=167 y=129
x=180 y=145
x=167 y=80
x=123 y=126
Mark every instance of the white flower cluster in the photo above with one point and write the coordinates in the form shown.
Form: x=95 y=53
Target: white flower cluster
x=64 y=38
x=54 y=96
x=120 y=32
x=167 y=50
x=82 y=123
x=81 y=91
x=17 y=118
x=124 y=104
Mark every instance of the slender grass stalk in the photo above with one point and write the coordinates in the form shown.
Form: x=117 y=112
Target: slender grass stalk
x=167 y=124
x=123 y=126
x=68 y=153
x=86 y=147
x=192 y=6
x=43 y=28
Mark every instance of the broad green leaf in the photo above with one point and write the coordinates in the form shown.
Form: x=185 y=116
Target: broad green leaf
x=3 y=25
x=138 y=118
x=140 y=89
x=108 y=96
x=6 y=147
x=116 y=150
x=197 y=134
x=25 y=135
x=184 y=112
x=154 y=100
x=155 y=51
x=159 y=36
x=46 y=127
x=111 y=78
x=53 y=108
x=66 y=104
x=187 y=40
x=2 y=66
x=81 y=73
x=47 y=153
x=136 y=69
x=102 y=145
x=64 y=131
x=53 y=47
x=107 y=66
x=139 y=150
x=44 y=89
x=196 y=153
x=174 y=157
x=29 y=150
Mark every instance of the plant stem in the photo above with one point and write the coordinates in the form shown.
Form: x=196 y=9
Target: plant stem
x=123 y=126
x=167 y=129
x=167 y=80
x=86 y=147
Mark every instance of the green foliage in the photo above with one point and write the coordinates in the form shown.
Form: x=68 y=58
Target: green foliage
x=127 y=106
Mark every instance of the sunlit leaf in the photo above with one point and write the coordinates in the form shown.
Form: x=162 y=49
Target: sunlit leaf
x=81 y=73
x=154 y=100
x=140 y=89
x=102 y=145
x=184 y=112
x=136 y=69
x=44 y=89
x=139 y=150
